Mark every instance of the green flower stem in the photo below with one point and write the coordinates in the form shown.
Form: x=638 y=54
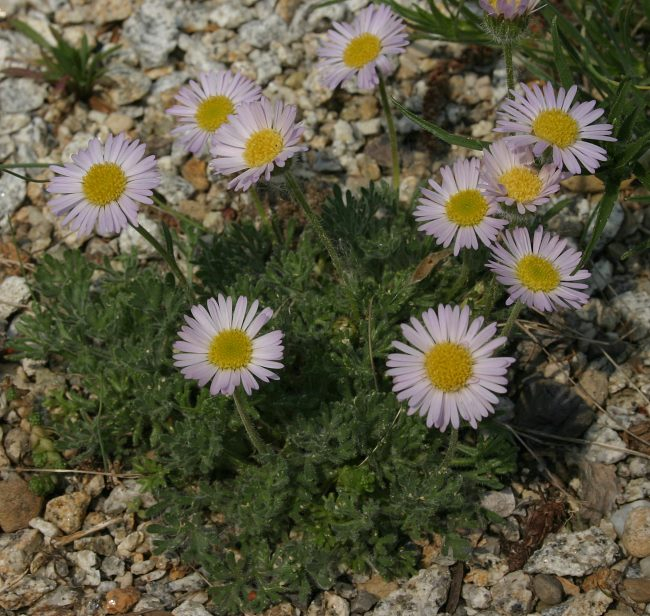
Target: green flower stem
x=451 y=449
x=315 y=222
x=512 y=318
x=510 y=71
x=169 y=258
x=23 y=177
x=257 y=202
x=392 y=134
x=463 y=275
x=490 y=295
x=251 y=432
x=161 y=205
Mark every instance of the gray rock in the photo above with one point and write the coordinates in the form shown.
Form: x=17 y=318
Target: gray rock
x=130 y=543
x=21 y=95
x=575 y=554
x=85 y=560
x=231 y=15
x=30 y=589
x=12 y=193
x=47 y=528
x=260 y=32
x=592 y=603
x=6 y=147
x=189 y=583
x=422 y=595
x=363 y=602
x=174 y=188
x=142 y=567
x=113 y=566
x=16 y=442
x=16 y=551
x=190 y=608
x=548 y=589
x=602 y=273
x=126 y=494
x=613 y=226
x=502 y=503
x=476 y=597
x=153 y=32
x=511 y=596
x=130 y=240
x=130 y=85
x=12 y=122
x=111 y=10
x=601 y=438
x=634 y=308
x=63 y=596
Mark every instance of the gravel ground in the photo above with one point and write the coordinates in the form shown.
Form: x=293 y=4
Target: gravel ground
x=576 y=535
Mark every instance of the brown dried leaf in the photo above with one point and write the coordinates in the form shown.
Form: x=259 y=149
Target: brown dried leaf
x=642 y=431
x=99 y=104
x=425 y=267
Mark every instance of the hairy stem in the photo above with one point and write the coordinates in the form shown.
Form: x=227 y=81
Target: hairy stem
x=315 y=222
x=512 y=318
x=451 y=449
x=392 y=134
x=510 y=71
x=251 y=432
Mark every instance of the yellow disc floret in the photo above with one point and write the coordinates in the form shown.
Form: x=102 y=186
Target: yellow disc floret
x=230 y=349
x=521 y=184
x=213 y=112
x=262 y=147
x=537 y=274
x=361 y=50
x=449 y=366
x=557 y=127
x=104 y=183
x=467 y=208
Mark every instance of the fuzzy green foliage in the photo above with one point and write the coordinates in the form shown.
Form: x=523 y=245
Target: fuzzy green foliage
x=350 y=480
x=77 y=69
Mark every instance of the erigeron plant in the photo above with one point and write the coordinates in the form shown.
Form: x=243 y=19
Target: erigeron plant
x=281 y=459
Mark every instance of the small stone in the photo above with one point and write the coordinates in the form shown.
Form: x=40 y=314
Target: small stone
x=619 y=517
x=30 y=590
x=476 y=597
x=12 y=194
x=190 y=608
x=636 y=534
x=130 y=85
x=194 y=172
x=130 y=240
x=152 y=576
x=174 y=188
x=67 y=511
x=12 y=122
x=593 y=386
x=112 y=10
x=259 y=33
x=119 y=123
x=422 y=594
x=592 y=603
x=47 y=528
x=143 y=567
x=547 y=589
x=188 y=583
x=21 y=95
x=602 y=435
x=637 y=589
x=113 y=566
x=121 y=600
x=18 y=504
x=502 y=503
x=14 y=293
x=363 y=602
x=634 y=308
x=230 y=15
x=511 y=596
x=62 y=596
x=378 y=586
x=153 y=32
x=335 y=605
x=16 y=441
x=16 y=551
x=573 y=554
x=130 y=543
x=85 y=560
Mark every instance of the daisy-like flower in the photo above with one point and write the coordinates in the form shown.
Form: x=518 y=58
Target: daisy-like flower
x=539 y=273
x=458 y=209
x=510 y=177
x=260 y=137
x=543 y=119
x=222 y=346
x=103 y=185
x=449 y=373
x=203 y=107
x=508 y=9
x=362 y=47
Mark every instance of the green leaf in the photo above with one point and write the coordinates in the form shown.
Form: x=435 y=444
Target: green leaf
x=636 y=249
x=30 y=33
x=441 y=133
x=604 y=210
x=561 y=63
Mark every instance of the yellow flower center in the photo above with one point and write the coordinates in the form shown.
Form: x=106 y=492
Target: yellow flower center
x=521 y=184
x=262 y=147
x=467 y=208
x=537 y=273
x=557 y=127
x=449 y=366
x=361 y=50
x=230 y=349
x=516 y=4
x=104 y=183
x=213 y=112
